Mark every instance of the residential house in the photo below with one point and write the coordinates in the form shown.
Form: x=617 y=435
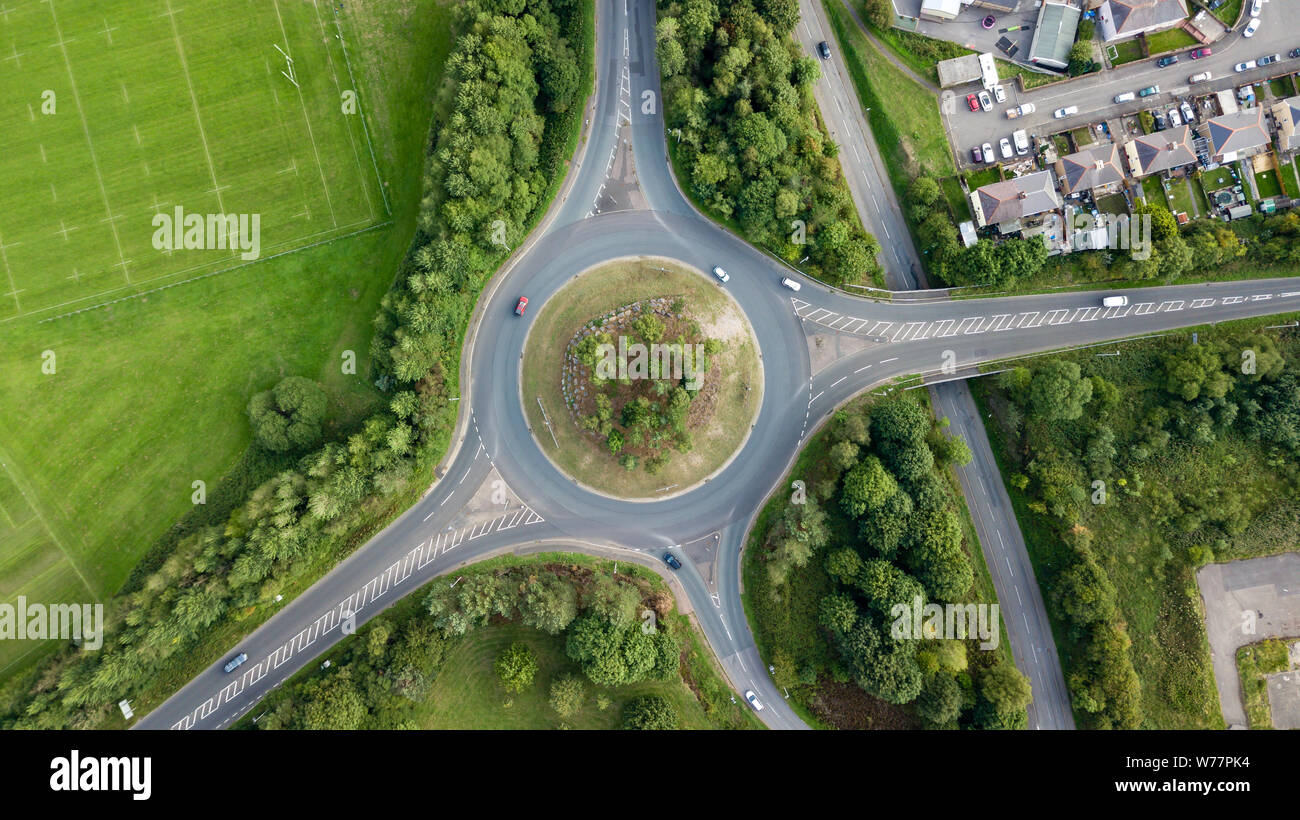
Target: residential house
x=1122 y=19
x=1235 y=136
x=1162 y=151
x=1286 y=113
x=1007 y=202
x=1095 y=168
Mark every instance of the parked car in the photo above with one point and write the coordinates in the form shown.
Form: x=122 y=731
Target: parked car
x=1256 y=6
x=1293 y=53
x=1175 y=119
x=1200 y=52
x=985 y=102
x=1204 y=76
x=1251 y=28
x=973 y=102
x=976 y=155
x=671 y=560
x=1005 y=145
x=235 y=662
x=824 y=49
x=1246 y=66
x=1127 y=96
x=1020 y=110
x=1158 y=117
x=988 y=153
x=1215 y=4
x=1189 y=113
x=1149 y=91
x=1167 y=60
x=999 y=94
x=721 y=274
x=521 y=305
x=1114 y=301
x=790 y=283
x=753 y=700
x=1021 y=140
x=1069 y=110
x=1269 y=59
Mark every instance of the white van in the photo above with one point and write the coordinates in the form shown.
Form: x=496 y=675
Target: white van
x=1127 y=96
x=1114 y=301
x=790 y=283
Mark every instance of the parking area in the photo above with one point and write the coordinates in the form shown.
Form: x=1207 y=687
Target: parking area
x=1246 y=602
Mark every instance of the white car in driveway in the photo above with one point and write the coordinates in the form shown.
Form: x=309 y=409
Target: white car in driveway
x=1251 y=28
x=1005 y=145
x=1021 y=140
x=988 y=153
x=985 y=102
x=1174 y=119
x=999 y=93
x=1068 y=111
x=1189 y=113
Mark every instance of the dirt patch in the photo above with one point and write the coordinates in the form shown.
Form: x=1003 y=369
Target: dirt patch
x=845 y=706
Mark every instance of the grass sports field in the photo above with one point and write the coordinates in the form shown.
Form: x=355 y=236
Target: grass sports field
x=120 y=111
x=124 y=368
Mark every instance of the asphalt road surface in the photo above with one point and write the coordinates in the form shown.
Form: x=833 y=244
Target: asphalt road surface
x=444 y=530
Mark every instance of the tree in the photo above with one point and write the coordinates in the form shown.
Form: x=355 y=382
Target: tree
x=939 y=703
x=1080 y=60
x=548 y=603
x=333 y=703
x=1058 y=392
x=1005 y=687
x=567 y=694
x=880 y=13
x=516 y=667
x=866 y=487
x=650 y=712
x=289 y=415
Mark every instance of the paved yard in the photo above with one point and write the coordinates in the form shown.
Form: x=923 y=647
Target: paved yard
x=1269 y=588
x=1284 y=699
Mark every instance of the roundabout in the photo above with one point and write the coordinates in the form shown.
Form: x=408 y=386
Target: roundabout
x=700 y=382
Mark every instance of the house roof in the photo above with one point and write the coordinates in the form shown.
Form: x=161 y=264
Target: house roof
x=1161 y=151
x=1287 y=115
x=1237 y=132
x=1054 y=34
x=1013 y=199
x=1090 y=168
x=1120 y=18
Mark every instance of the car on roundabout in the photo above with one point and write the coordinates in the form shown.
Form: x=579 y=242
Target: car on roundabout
x=722 y=275
x=521 y=305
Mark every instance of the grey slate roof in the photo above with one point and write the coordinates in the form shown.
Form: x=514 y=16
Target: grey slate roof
x=1135 y=15
x=1237 y=132
x=1090 y=168
x=1161 y=151
x=1013 y=199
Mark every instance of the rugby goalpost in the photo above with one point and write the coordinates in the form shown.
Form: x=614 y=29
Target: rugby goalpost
x=290 y=75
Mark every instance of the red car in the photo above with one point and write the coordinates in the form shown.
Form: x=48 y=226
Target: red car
x=1199 y=53
x=521 y=306
x=973 y=102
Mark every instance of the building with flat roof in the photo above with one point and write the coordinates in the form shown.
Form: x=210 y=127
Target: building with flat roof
x=1121 y=19
x=1095 y=168
x=1234 y=136
x=1054 y=34
x=1286 y=113
x=1008 y=201
x=940 y=10
x=959 y=70
x=1162 y=151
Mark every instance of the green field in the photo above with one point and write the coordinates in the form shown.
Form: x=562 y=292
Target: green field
x=108 y=415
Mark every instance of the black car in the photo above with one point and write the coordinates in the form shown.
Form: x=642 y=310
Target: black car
x=671 y=560
x=1214 y=4
x=1160 y=121
x=824 y=49
x=1293 y=53
x=1168 y=59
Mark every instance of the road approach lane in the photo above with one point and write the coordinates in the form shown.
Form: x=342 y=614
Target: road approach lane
x=433 y=537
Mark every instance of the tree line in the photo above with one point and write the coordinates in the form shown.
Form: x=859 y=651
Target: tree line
x=746 y=136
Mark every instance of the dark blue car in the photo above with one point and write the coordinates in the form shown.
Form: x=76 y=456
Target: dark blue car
x=671 y=560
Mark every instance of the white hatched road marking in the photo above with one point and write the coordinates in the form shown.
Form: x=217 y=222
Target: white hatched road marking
x=396 y=573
